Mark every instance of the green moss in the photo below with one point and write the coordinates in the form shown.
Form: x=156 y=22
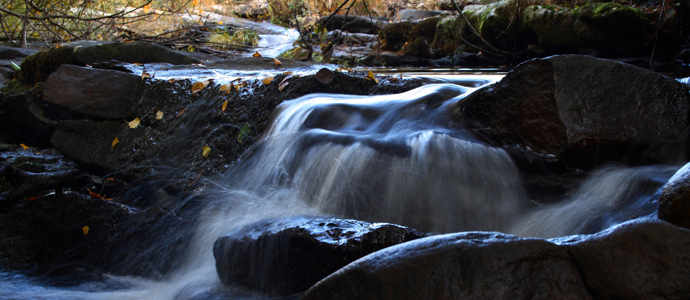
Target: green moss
x=602 y=8
x=447 y=37
x=299 y=53
x=39 y=66
x=14 y=87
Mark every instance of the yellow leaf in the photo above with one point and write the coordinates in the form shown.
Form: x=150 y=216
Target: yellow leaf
x=24 y=146
x=96 y=195
x=115 y=142
x=277 y=62
x=198 y=86
x=172 y=80
x=134 y=123
x=256 y=54
x=206 y=151
x=267 y=80
x=240 y=85
x=220 y=22
x=145 y=75
x=181 y=112
x=226 y=88
x=371 y=76
x=159 y=115
x=287 y=73
x=225 y=105
x=85 y=230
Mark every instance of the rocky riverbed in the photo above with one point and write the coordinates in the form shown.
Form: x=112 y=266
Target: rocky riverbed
x=110 y=153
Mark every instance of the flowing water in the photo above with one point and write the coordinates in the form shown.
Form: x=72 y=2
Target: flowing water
x=402 y=158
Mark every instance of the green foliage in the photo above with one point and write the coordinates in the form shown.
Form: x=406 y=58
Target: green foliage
x=244 y=131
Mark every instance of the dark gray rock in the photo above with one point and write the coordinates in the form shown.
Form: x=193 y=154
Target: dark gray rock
x=582 y=109
x=417 y=14
x=21 y=117
x=642 y=259
x=674 y=204
x=472 y=265
x=97 y=94
x=289 y=255
x=354 y=24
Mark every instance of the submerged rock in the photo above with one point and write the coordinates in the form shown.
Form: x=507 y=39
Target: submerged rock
x=582 y=109
x=640 y=259
x=287 y=256
x=674 y=204
x=471 y=265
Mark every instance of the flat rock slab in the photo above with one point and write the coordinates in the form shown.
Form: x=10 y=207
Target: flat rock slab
x=582 y=109
x=287 y=256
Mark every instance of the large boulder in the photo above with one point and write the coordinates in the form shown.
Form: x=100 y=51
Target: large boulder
x=641 y=259
x=395 y=35
x=584 y=110
x=353 y=23
x=674 y=204
x=21 y=116
x=553 y=28
x=472 y=265
x=287 y=256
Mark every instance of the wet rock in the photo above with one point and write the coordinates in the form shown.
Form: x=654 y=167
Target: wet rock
x=583 y=110
x=287 y=256
x=472 y=265
x=48 y=230
x=21 y=116
x=97 y=94
x=674 y=204
x=354 y=24
x=39 y=66
x=27 y=173
x=642 y=259
x=9 y=55
x=496 y=23
x=447 y=36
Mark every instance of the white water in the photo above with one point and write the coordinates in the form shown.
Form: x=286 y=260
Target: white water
x=399 y=158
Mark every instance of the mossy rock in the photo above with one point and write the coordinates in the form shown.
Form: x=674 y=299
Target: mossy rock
x=447 y=36
x=395 y=35
x=39 y=66
x=616 y=29
x=498 y=23
x=554 y=28
x=301 y=54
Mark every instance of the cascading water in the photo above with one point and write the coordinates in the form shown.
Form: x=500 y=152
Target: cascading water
x=403 y=158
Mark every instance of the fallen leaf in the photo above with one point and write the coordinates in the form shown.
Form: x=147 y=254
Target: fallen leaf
x=371 y=76
x=244 y=131
x=145 y=75
x=110 y=179
x=96 y=195
x=206 y=151
x=33 y=198
x=256 y=54
x=172 y=80
x=225 y=105
x=198 y=86
x=267 y=80
x=24 y=146
x=239 y=85
x=115 y=142
x=181 y=112
x=282 y=86
x=393 y=79
x=226 y=88
x=85 y=230
x=324 y=76
x=287 y=73
x=134 y=123
x=340 y=69
x=277 y=62
x=159 y=115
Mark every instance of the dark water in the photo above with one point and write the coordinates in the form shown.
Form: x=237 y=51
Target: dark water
x=400 y=158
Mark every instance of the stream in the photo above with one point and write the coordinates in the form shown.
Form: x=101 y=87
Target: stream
x=400 y=158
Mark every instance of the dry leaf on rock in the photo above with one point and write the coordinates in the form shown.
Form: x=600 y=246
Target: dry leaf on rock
x=159 y=115
x=225 y=105
x=134 y=123
x=206 y=151
x=267 y=80
x=145 y=75
x=115 y=142
x=198 y=86
x=256 y=54
x=371 y=76
x=277 y=62
x=85 y=230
